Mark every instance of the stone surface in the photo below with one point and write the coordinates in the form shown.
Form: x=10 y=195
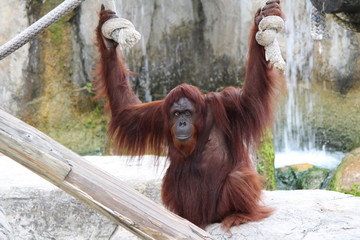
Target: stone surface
x=12 y=74
x=335 y=6
x=302 y=214
x=335 y=116
x=5 y=229
x=302 y=176
x=199 y=42
x=347 y=175
x=37 y=210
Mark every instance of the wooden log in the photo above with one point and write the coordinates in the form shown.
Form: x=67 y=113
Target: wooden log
x=97 y=189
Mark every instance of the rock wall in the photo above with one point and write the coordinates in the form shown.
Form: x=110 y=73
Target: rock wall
x=336 y=116
x=47 y=82
x=47 y=86
x=323 y=85
x=13 y=68
x=199 y=42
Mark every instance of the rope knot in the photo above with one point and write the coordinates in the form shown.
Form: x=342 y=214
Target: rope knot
x=266 y=36
x=122 y=31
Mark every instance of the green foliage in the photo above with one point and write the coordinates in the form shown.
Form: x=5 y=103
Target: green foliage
x=266 y=157
x=290 y=178
x=90 y=88
x=355 y=190
x=56 y=32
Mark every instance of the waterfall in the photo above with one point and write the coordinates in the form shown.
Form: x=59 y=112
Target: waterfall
x=145 y=82
x=293 y=131
x=294 y=137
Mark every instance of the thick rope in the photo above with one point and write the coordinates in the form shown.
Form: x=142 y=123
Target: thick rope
x=122 y=31
x=318 y=25
x=37 y=27
x=266 y=36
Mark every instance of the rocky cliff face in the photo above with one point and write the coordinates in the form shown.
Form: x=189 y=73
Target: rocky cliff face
x=12 y=68
x=45 y=83
x=204 y=43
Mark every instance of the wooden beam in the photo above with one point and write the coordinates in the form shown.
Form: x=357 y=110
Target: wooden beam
x=97 y=189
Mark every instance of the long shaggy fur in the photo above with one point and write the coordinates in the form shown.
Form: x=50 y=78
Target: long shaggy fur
x=213 y=181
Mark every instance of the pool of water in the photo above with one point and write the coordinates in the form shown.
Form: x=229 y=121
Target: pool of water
x=317 y=158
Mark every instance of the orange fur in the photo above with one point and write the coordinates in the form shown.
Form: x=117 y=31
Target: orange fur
x=210 y=178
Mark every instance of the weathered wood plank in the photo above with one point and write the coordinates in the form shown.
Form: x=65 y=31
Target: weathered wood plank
x=99 y=190
x=43 y=162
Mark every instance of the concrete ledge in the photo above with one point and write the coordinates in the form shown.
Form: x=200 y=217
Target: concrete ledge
x=302 y=214
x=5 y=228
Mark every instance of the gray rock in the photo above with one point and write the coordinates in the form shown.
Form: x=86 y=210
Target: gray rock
x=301 y=214
x=12 y=74
x=5 y=228
x=38 y=210
x=52 y=214
x=291 y=178
x=347 y=178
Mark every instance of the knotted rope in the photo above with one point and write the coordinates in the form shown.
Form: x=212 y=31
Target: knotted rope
x=122 y=31
x=266 y=36
x=37 y=27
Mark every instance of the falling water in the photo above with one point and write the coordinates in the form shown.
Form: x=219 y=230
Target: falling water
x=294 y=136
x=293 y=133
x=147 y=80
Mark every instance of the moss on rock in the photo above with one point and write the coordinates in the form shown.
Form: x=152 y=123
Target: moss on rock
x=62 y=105
x=301 y=176
x=266 y=158
x=336 y=118
x=347 y=176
